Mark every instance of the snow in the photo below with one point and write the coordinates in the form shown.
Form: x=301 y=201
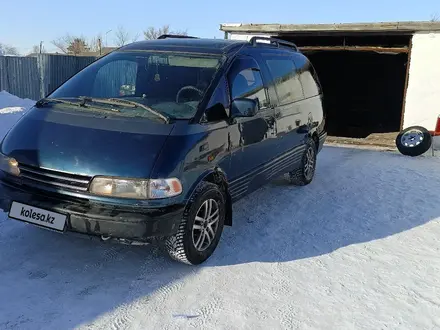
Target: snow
x=11 y=109
x=356 y=249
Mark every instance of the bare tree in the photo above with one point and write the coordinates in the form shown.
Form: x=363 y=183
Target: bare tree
x=122 y=36
x=63 y=42
x=136 y=37
x=153 y=33
x=69 y=44
x=435 y=17
x=8 y=50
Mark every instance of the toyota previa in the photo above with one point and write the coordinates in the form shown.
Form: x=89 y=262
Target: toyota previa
x=153 y=142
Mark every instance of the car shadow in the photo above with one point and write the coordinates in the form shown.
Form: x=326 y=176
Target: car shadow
x=357 y=196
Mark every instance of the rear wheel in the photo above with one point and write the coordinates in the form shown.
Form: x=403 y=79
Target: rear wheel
x=305 y=173
x=201 y=226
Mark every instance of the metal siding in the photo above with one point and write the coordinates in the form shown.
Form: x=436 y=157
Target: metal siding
x=61 y=68
x=19 y=76
x=36 y=77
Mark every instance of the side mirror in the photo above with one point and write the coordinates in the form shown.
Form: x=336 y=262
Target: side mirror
x=244 y=107
x=216 y=113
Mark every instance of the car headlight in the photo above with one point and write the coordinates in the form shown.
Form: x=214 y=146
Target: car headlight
x=9 y=165
x=135 y=188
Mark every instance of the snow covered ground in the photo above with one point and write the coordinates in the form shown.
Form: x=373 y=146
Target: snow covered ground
x=357 y=249
x=11 y=109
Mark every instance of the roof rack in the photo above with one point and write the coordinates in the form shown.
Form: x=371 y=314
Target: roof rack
x=274 y=41
x=175 y=36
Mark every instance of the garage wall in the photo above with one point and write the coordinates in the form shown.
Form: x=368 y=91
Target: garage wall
x=422 y=105
x=247 y=37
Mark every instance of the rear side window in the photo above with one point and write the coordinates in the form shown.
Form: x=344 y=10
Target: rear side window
x=308 y=77
x=286 y=79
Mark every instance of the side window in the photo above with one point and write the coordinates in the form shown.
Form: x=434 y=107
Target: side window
x=286 y=79
x=117 y=78
x=245 y=81
x=308 y=77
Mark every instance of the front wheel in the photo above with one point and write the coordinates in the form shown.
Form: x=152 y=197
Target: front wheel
x=201 y=226
x=305 y=173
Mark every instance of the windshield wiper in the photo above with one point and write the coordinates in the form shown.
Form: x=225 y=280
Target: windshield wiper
x=44 y=101
x=81 y=104
x=133 y=104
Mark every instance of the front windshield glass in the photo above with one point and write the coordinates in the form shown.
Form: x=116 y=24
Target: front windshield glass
x=170 y=83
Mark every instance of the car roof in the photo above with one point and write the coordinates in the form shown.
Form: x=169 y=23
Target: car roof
x=191 y=45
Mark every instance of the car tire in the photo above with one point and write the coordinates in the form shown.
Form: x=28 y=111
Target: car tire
x=306 y=172
x=414 y=141
x=200 y=229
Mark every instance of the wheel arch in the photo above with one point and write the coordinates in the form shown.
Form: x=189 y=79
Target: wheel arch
x=218 y=177
x=315 y=137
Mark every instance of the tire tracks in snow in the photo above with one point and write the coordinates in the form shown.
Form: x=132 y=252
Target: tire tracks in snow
x=125 y=313
x=206 y=312
x=150 y=281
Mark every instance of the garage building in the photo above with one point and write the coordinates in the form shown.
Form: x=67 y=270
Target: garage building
x=377 y=78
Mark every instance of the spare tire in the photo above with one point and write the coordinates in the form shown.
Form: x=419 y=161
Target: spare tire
x=414 y=141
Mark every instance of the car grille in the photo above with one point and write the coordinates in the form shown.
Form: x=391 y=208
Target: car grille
x=34 y=175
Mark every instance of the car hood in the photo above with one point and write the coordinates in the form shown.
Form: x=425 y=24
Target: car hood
x=86 y=143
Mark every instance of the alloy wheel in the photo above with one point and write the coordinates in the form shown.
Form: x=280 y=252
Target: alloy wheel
x=205 y=225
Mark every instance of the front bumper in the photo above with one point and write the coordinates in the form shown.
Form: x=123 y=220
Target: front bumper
x=105 y=220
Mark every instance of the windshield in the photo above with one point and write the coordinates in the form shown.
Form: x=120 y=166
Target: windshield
x=169 y=83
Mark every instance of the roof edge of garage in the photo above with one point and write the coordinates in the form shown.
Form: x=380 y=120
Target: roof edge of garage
x=419 y=26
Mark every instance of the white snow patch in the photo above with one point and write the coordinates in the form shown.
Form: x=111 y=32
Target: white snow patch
x=11 y=109
x=9 y=100
x=356 y=249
